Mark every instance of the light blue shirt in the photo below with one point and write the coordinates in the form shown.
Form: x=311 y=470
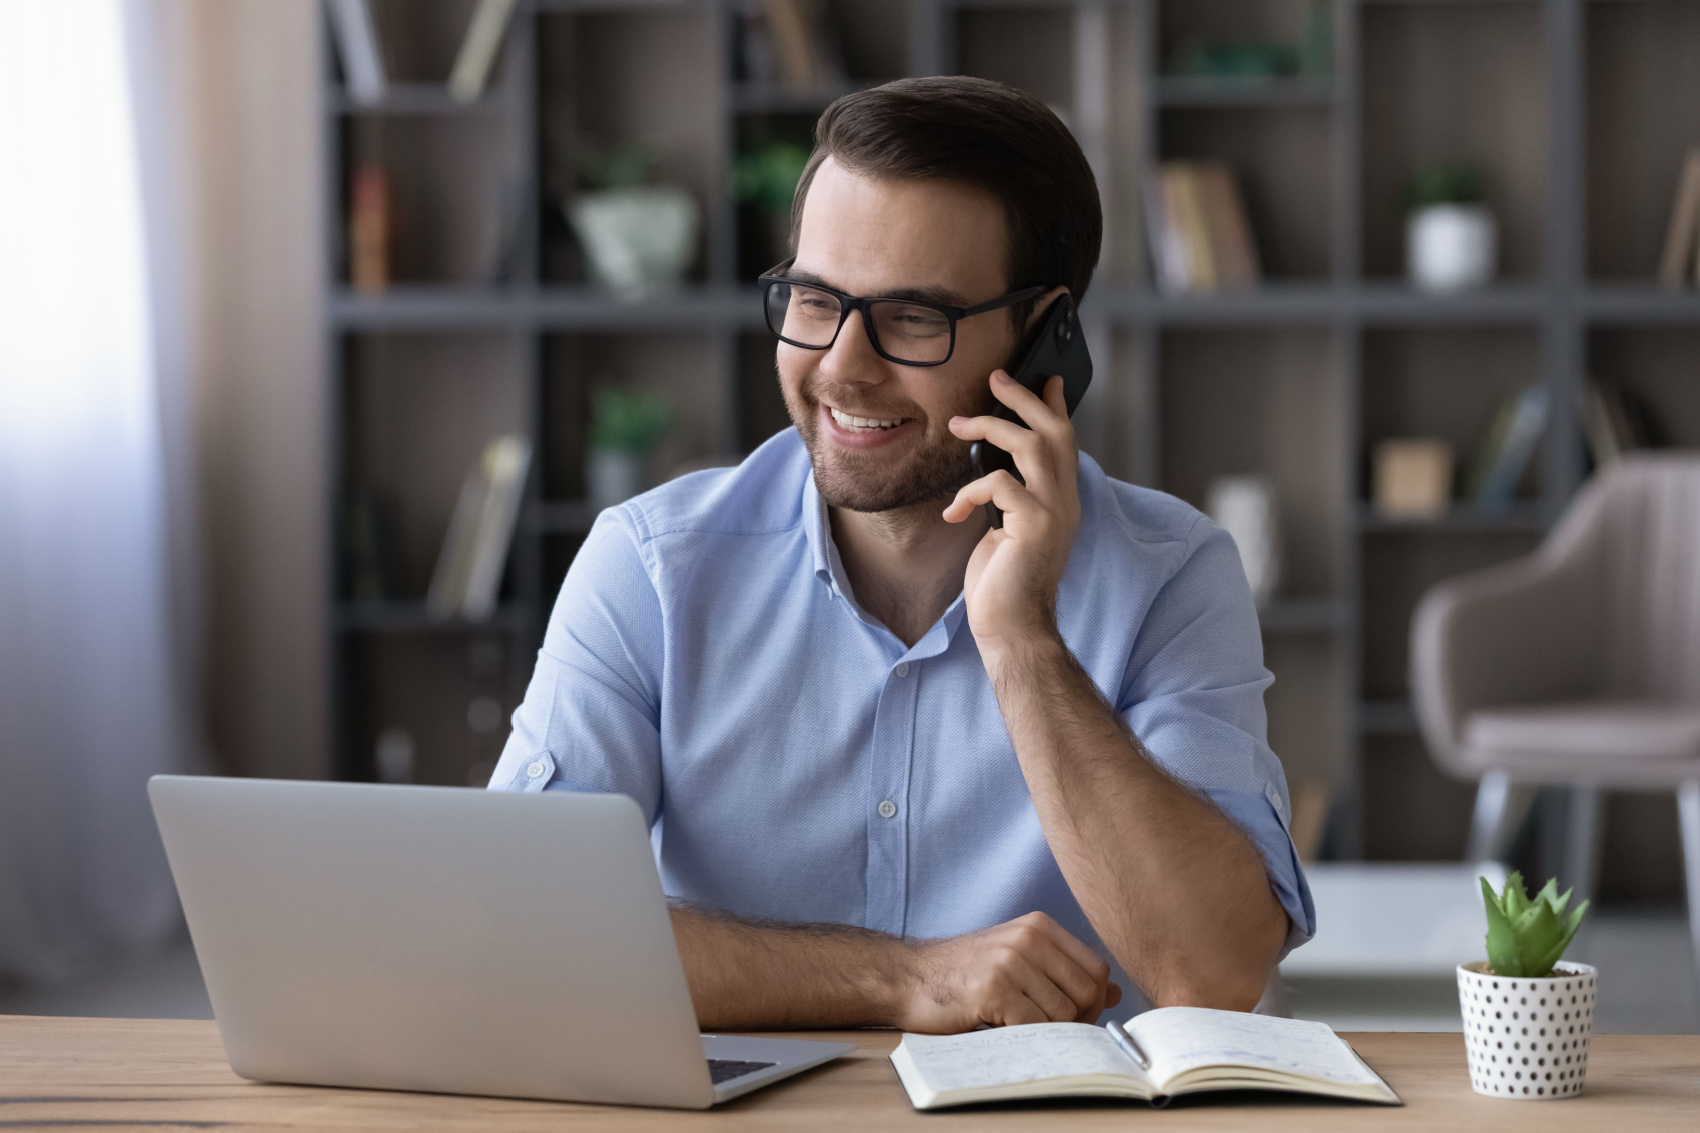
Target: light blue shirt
x=798 y=762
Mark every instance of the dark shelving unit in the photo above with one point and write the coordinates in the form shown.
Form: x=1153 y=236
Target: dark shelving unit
x=1303 y=374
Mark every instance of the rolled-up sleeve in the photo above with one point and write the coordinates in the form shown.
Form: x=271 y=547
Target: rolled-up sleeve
x=1193 y=694
x=590 y=718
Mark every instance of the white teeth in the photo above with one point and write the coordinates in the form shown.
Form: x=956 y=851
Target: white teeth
x=850 y=422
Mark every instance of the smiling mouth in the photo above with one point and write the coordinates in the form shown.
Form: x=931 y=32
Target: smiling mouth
x=870 y=424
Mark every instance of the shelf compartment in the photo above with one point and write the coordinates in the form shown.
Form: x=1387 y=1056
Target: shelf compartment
x=1455 y=83
x=428 y=684
x=1262 y=401
x=1659 y=367
x=1447 y=382
x=1642 y=84
x=670 y=365
x=650 y=76
x=419 y=410
x=1029 y=47
x=1282 y=158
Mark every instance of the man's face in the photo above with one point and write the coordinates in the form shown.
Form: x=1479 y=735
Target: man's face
x=933 y=240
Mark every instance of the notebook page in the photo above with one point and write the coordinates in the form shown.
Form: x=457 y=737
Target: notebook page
x=1177 y=1039
x=1015 y=1054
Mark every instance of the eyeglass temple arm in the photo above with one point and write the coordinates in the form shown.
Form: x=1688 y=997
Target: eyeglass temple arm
x=1009 y=300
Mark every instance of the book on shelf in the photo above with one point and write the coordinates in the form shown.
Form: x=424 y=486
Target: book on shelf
x=477 y=56
x=1153 y=1057
x=468 y=577
x=1201 y=238
x=804 y=51
x=357 y=46
x=1682 y=233
x=1505 y=453
x=369 y=228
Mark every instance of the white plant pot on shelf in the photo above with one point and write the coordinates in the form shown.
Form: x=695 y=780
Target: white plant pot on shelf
x=638 y=239
x=615 y=476
x=1451 y=247
x=1244 y=507
x=1528 y=1038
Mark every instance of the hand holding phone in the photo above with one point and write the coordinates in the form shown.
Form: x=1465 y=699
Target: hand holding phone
x=1057 y=348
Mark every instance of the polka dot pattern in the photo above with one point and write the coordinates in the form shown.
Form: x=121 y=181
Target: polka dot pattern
x=1528 y=1039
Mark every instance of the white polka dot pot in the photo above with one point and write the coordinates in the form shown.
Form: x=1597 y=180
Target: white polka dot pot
x=1527 y=1039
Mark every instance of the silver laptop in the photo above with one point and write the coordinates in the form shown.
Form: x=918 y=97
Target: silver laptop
x=446 y=940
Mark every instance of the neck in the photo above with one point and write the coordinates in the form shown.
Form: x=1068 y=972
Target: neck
x=905 y=566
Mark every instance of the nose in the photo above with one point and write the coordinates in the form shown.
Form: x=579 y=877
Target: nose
x=851 y=359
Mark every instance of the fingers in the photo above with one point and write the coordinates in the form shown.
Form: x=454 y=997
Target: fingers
x=1000 y=488
x=1051 y=968
x=1043 y=415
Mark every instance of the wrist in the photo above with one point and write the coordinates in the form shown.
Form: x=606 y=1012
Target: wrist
x=1032 y=646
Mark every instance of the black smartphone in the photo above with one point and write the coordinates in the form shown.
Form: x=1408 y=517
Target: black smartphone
x=1057 y=347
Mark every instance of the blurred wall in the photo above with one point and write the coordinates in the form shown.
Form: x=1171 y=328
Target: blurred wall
x=250 y=107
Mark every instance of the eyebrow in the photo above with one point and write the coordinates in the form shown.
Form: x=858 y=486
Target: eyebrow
x=936 y=295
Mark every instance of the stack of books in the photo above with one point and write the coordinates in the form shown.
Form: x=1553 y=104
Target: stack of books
x=1201 y=240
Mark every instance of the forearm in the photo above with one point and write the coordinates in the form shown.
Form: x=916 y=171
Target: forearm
x=746 y=975
x=1175 y=890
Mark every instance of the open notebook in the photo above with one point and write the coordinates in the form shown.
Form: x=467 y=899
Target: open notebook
x=1189 y=1049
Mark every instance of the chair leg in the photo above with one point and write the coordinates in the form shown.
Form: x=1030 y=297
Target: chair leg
x=1582 y=843
x=1500 y=807
x=1688 y=815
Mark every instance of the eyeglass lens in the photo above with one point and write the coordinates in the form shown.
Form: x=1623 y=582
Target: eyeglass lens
x=905 y=331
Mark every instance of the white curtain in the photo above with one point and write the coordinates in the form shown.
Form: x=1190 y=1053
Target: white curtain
x=91 y=687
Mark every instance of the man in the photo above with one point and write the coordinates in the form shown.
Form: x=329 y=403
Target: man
x=906 y=769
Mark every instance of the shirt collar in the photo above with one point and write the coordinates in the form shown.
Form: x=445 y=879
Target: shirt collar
x=829 y=568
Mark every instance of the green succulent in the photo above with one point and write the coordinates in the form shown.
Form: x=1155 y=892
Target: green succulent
x=1448 y=183
x=1525 y=938
x=627 y=421
x=767 y=177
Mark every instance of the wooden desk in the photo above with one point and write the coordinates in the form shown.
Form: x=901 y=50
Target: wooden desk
x=154 y=1073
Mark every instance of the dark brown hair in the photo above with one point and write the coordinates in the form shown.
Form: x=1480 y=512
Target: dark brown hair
x=984 y=134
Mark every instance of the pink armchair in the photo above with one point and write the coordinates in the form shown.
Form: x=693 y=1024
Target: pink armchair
x=1577 y=666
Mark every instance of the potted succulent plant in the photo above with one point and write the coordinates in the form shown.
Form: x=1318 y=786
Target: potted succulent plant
x=1527 y=1018
x=624 y=429
x=637 y=236
x=1450 y=236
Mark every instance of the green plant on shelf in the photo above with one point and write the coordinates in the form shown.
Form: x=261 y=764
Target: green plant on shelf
x=767 y=176
x=1525 y=936
x=622 y=167
x=627 y=421
x=1444 y=183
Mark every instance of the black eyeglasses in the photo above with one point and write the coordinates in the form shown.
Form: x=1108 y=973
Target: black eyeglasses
x=910 y=332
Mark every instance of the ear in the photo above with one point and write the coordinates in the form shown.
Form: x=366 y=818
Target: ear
x=1040 y=306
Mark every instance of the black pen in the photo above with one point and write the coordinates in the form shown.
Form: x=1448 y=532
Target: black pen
x=1125 y=1041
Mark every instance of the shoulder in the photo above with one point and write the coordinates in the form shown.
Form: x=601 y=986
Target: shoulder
x=1141 y=521
x=763 y=495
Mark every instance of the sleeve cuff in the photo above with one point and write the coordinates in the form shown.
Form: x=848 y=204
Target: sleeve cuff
x=1258 y=817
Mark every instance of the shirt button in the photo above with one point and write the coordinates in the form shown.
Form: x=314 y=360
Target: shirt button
x=536 y=769
x=902 y=671
x=887 y=808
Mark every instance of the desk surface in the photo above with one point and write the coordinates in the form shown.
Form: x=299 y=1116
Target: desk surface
x=153 y=1073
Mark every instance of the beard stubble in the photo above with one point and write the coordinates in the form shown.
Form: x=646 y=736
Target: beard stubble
x=932 y=472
